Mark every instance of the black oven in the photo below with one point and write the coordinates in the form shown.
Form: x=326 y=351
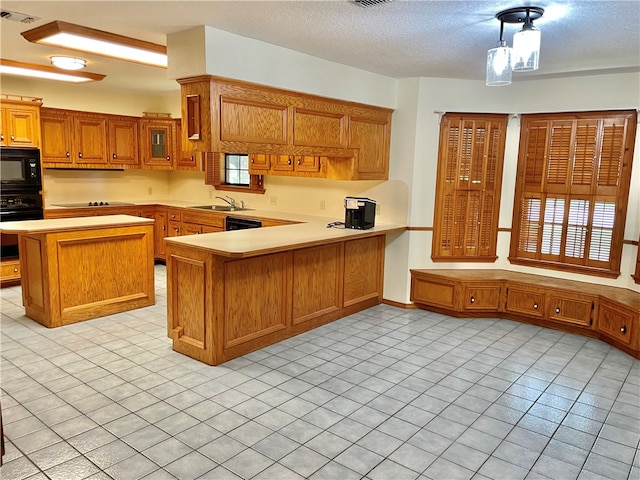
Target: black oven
x=20 y=169
x=16 y=206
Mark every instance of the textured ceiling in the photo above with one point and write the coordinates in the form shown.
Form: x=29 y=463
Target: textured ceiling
x=399 y=39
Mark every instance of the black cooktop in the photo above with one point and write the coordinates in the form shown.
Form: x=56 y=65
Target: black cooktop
x=92 y=204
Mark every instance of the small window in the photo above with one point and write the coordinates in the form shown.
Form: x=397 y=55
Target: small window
x=236 y=169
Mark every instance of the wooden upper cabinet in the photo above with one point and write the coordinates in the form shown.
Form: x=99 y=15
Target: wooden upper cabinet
x=324 y=129
x=88 y=140
x=186 y=157
x=158 y=143
x=90 y=132
x=123 y=140
x=20 y=123
x=469 y=179
x=229 y=116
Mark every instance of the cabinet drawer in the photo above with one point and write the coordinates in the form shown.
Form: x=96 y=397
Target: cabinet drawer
x=190 y=229
x=175 y=229
x=484 y=297
x=433 y=292
x=10 y=270
x=210 y=219
x=575 y=309
x=525 y=301
x=174 y=215
x=617 y=322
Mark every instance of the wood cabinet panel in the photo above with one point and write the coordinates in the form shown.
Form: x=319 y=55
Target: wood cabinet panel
x=57 y=131
x=483 y=297
x=437 y=293
x=316 y=282
x=571 y=308
x=253 y=122
x=187 y=324
x=619 y=323
x=90 y=132
x=124 y=139
x=371 y=138
x=322 y=129
x=363 y=270
x=20 y=125
x=264 y=279
x=525 y=300
x=158 y=143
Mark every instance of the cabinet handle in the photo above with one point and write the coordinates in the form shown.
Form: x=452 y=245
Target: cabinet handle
x=163 y=227
x=299 y=161
x=535 y=306
x=289 y=162
x=68 y=154
x=2 y=136
x=114 y=155
x=472 y=299
x=12 y=137
x=168 y=158
x=557 y=309
x=79 y=154
x=623 y=330
x=15 y=270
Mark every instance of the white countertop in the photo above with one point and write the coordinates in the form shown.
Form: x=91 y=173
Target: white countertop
x=75 y=223
x=253 y=242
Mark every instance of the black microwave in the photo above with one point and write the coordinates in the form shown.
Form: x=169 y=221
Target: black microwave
x=20 y=168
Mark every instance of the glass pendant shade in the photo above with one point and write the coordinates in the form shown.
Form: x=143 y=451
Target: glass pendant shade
x=526 y=49
x=499 y=66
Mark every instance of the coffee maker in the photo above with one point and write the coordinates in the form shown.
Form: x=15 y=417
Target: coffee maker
x=360 y=213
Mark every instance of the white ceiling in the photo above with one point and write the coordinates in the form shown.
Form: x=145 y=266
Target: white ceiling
x=427 y=38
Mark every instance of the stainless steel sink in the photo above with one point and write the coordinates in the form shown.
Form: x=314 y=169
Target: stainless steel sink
x=221 y=208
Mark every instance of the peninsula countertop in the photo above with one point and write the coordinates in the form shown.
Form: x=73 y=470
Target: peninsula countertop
x=69 y=224
x=254 y=242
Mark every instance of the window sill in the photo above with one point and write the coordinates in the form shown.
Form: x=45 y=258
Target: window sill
x=484 y=259
x=239 y=189
x=564 y=267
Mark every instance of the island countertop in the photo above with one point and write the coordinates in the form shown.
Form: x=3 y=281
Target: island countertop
x=69 y=224
x=253 y=242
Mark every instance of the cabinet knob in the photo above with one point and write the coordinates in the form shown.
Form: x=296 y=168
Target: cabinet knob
x=68 y=154
x=114 y=156
x=289 y=162
x=472 y=299
x=79 y=154
x=1 y=136
x=15 y=270
x=12 y=137
x=163 y=227
x=299 y=161
x=168 y=158
x=535 y=306
x=557 y=309
x=623 y=330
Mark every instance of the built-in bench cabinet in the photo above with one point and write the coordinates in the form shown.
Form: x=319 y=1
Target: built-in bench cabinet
x=609 y=313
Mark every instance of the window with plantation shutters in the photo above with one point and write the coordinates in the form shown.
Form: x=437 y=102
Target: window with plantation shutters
x=470 y=159
x=574 y=171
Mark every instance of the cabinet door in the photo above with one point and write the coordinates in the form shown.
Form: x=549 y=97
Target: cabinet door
x=57 y=130
x=90 y=135
x=160 y=232
x=186 y=158
x=482 y=297
x=260 y=163
x=433 y=291
x=10 y=272
x=191 y=229
x=253 y=122
x=174 y=229
x=525 y=301
x=618 y=322
x=158 y=139
x=570 y=308
x=319 y=129
x=283 y=163
x=306 y=163
x=22 y=126
x=123 y=141
x=371 y=138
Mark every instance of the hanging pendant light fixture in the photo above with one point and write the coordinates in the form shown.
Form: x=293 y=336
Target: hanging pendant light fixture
x=525 y=54
x=499 y=63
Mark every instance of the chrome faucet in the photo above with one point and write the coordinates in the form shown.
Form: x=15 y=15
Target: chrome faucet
x=231 y=201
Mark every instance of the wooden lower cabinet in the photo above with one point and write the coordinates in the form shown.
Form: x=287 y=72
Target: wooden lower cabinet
x=220 y=308
x=10 y=272
x=609 y=313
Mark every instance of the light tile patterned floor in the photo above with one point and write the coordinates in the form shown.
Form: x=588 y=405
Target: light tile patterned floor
x=384 y=394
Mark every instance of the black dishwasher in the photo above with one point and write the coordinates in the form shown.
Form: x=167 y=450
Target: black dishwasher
x=237 y=223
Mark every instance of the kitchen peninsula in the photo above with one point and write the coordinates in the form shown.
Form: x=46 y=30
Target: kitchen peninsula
x=229 y=294
x=74 y=269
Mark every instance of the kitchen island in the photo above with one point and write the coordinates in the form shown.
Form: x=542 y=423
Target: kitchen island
x=74 y=269
x=234 y=292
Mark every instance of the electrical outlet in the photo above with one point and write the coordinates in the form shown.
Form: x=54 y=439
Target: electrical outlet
x=150 y=190
x=322 y=205
x=378 y=209
x=274 y=200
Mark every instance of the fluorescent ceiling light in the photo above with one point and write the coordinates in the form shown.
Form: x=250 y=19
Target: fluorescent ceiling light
x=10 y=67
x=68 y=63
x=99 y=42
